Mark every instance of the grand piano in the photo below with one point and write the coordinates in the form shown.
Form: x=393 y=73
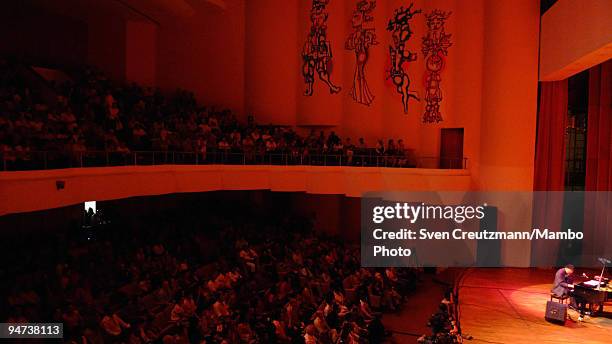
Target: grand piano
x=594 y=296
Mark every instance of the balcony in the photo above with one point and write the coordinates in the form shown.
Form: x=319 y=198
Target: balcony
x=44 y=160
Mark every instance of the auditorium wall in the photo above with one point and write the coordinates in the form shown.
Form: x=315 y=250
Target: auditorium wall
x=101 y=184
x=106 y=48
x=509 y=106
x=53 y=35
x=40 y=36
x=141 y=52
x=204 y=53
x=124 y=49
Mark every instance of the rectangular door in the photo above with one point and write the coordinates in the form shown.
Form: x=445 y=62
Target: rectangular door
x=451 y=148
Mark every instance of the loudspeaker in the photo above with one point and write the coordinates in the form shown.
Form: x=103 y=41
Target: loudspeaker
x=555 y=312
x=488 y=252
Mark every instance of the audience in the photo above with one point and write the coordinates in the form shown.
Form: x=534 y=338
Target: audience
x=443 y=324
x=91 y=114
x=203 y=278
x=261 y=279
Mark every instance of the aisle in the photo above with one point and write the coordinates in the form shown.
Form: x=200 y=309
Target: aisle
x=411 y=322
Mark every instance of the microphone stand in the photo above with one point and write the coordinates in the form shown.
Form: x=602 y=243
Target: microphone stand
x=601 y=276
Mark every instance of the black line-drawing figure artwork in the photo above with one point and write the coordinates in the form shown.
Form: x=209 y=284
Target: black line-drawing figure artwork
x=317 y=52
x=435 y=50
x=360 y=40
x=399 y=26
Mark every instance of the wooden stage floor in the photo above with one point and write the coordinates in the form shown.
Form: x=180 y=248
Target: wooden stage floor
x=507 y=305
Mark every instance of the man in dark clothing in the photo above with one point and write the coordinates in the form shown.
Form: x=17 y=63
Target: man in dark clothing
x=563 y=281
x=563 y=285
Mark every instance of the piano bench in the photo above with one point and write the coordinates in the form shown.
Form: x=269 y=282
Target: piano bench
x=560 y=299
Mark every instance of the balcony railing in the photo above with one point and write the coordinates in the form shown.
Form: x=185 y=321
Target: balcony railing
x=44 y=160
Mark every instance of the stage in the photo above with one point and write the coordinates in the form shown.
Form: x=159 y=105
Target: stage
x=507 y=305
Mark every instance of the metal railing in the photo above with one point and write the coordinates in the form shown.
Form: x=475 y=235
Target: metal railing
x=43 y=160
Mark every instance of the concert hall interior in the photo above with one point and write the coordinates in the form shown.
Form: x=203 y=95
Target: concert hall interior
x=306 y=171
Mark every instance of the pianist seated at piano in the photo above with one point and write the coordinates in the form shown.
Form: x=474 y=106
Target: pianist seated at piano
x=563 y=281
x=563 y=286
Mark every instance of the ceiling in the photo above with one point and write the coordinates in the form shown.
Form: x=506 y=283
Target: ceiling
x=156 y=11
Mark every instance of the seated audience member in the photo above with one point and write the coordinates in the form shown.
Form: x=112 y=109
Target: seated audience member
x=113 y=324
x=380 y=148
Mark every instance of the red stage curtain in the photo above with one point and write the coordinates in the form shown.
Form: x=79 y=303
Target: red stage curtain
x=550 y=146
x=549 y=169
x=599 y=129
x=598 y=206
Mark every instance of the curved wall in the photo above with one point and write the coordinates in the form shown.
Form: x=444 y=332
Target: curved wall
x=37 y=190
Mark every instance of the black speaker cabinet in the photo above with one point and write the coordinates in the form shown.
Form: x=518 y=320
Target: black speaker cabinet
x=556 y=312
x=488 y=252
